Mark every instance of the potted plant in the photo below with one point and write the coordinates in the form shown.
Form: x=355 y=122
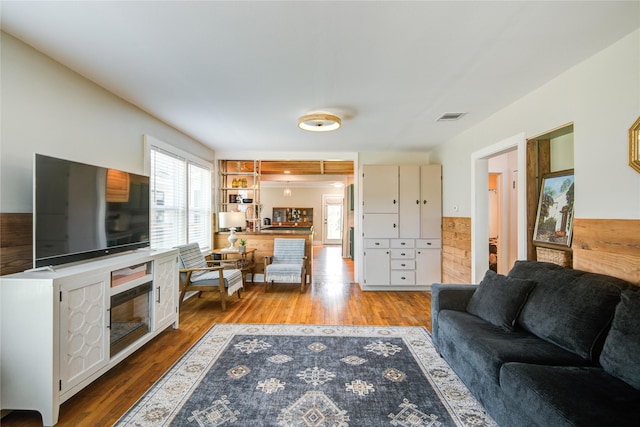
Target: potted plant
x=243 y=245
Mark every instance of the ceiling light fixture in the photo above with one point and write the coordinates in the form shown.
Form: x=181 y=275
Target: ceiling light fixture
x=319 y=122
x=287 y=190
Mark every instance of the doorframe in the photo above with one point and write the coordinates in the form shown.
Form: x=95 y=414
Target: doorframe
x=480 y=202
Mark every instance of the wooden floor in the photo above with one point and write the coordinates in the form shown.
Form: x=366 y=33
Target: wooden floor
x=332 y=299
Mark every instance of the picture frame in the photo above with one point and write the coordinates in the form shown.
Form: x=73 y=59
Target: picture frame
x=554 y=219
x=634 y=146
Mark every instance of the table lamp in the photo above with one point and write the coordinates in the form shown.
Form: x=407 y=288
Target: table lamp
x=232 y=220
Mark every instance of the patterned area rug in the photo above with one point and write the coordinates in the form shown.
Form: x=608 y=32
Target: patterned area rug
x=309 y=375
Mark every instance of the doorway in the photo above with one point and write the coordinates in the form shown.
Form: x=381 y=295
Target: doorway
x=332 y=211
x=480 y=223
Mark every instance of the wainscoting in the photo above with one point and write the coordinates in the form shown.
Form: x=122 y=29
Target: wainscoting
x=15 y=242
x=456 y=250
x=608 y=246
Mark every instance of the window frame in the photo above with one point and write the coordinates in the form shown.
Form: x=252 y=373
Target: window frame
x=151 y=143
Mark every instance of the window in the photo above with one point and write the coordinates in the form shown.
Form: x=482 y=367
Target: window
x=180 y=197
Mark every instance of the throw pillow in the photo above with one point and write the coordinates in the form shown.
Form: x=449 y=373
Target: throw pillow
x=571 y=312
x=499 y=299
x=619 y=356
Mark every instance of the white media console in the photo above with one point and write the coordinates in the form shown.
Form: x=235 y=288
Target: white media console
x=62 y=329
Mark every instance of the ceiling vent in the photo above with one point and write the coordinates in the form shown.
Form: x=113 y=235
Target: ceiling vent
x=449 y=117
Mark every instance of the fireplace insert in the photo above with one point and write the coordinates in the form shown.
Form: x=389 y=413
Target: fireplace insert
x=129 y=317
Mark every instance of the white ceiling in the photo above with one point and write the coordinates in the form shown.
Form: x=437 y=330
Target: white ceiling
x=241 y=73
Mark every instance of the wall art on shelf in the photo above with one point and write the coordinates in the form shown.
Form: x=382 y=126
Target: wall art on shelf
x=554 y=221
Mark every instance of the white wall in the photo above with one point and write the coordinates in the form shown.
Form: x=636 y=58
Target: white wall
x=49 y=109
x=561 y=153
x=601 y=96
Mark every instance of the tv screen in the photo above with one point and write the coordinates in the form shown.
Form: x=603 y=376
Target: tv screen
x=83 y=211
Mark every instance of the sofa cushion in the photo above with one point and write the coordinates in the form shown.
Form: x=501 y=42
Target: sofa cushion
x=571 y=312
x=621 y=348
x=470 y=342
x=529 y=270
x=570 y=395
x=499 y=299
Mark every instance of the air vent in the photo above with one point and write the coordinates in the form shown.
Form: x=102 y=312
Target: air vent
x=448 y=117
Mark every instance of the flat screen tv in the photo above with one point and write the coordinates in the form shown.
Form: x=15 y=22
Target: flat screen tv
x=82 y=211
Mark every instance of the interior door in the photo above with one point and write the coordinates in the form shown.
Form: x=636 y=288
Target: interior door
x=332 y=211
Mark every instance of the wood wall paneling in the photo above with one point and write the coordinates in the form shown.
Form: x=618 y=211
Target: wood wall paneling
x=608 y=246
x=456 y=250
x=16 y=253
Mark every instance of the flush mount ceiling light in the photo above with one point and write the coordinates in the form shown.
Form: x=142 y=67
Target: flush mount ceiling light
x=319 y=122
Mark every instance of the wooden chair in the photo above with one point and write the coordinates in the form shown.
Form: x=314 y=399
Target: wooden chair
x=197 y=275
x=288 y=264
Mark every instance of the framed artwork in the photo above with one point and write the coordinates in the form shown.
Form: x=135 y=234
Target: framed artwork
x=634 y=146
x=554 y=221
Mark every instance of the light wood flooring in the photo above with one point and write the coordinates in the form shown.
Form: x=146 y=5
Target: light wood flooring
x=332 y=299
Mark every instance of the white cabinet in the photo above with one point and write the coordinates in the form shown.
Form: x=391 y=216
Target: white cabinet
x=420 y=201
x=377 y=265
x=402 y=204
x=409 y=201
x=380 y=192
x=431 y=202
x=166 y=293
x=428 y=261
x=57 y=327
x=84 y=338
x=380 y=225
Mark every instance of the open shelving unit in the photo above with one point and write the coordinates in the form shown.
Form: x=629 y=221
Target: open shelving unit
x=239 y=189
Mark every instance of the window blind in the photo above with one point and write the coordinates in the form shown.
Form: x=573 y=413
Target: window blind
x=180 y=200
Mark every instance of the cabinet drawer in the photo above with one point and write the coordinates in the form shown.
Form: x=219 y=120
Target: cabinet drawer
x=402 y=243
x=399 y=277
x=376 y=243
x=403 y=253
x=402 y=264
x=428 y=243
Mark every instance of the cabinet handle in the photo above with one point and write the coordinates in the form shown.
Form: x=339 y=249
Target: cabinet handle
x=403 y=278
x=403 y=265
x=377 y=243
x=417 y=202
x=403 y=243
x=424 y=202
x=394 y=201
x=403 y=254
x=428 y=243
x=158 y=299
x=394 y=225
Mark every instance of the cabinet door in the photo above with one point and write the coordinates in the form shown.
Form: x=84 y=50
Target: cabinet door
x=380 y=225
x=380 y=189
x=431 y=201
x=409 y=217
x=428 y=266
x=84 y=338
x=165 y=291
x=377 y=266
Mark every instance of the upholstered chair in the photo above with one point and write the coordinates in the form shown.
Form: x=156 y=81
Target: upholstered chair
x=197 y=275
x=288 y=264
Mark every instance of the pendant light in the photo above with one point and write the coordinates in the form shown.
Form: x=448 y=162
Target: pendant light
x=287 y=190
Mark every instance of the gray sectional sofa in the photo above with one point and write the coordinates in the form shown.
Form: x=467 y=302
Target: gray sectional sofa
x=544 y=345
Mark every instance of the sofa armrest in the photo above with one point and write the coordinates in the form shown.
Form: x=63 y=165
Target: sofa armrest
x=448 y=297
